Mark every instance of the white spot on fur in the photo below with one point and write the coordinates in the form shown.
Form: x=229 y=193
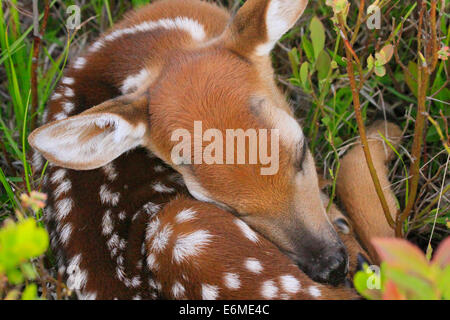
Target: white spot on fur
x=133 y=82
x=188 y=245
x=38 y=161
x=159 y=168
x=246 y=230
x=87 y=296
x=79 y=63
x=185 y=215
x=113 y=242
x=159 y=187
x=151 y=262
x=65 y=233
x=69 y=93
x=77 y=278
x=269 y=290
x=122 y=215
x=253 y=265
x=162 y=238
x=194 y=28
x=56 y=96
x=110 y=172
x=96 y=46
x=152 y=227
x=68 y=81
x=108 y=197
x=290 y=284
x=58 y=176
x=137 y=297
x=151 y=208
x=209 y=292
x=45 y=116
x=63 y=208
x=63 y=188
x=68 y=107
x=107 y=223
x=232 y=281
x=314 y=291
x=155 y=285
x=178 y=290
x=60 y=116
x=135 y=281
x=122 y=244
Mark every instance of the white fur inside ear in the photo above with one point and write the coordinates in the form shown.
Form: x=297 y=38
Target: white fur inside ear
x=280 y=17
x=87 y=142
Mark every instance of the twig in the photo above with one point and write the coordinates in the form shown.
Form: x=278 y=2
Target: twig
x=362 y=130
x=423 y=76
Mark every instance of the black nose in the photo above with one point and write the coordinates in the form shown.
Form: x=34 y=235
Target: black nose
x=331 y=268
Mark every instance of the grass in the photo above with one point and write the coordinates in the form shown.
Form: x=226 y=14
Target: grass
x=311 y=65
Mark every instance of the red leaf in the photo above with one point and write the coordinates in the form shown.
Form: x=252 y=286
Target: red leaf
x=391 y=292
x=442 y=255
x=401 y=254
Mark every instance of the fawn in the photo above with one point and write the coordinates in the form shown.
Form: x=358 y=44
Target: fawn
x=127 y=221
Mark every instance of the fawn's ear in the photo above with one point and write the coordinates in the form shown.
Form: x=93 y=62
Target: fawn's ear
x=96 y=137
x=259 y=24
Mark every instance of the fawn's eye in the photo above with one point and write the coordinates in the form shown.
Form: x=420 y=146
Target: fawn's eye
x=300 y=154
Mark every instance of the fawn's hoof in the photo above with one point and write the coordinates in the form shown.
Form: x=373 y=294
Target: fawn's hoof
x=361 y=261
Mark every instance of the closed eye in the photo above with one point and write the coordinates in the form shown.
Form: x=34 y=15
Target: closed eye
x=301 y=149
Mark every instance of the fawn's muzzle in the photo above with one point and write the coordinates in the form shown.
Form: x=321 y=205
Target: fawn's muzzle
x=323 y=261
x=332 y=268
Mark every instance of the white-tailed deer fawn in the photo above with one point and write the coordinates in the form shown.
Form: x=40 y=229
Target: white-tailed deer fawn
x=123 y=222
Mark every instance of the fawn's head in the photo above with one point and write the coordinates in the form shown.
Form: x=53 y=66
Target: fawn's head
x=225 y=84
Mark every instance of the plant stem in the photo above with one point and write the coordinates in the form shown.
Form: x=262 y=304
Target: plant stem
x=35 y=59
x=361 y=127
x=423 y=77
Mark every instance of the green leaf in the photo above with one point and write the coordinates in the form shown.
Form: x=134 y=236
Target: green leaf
x=304 y=72
x=28 y=271
x=308 y=48
x=20 y=242
x=370 y=62
x=14 y=276
x=317 y=36
x=385 y=54
x=444 y=283
x=414 y=287
x=293 y=58
x=323 y=65
x=30 y=292
x=380 y=71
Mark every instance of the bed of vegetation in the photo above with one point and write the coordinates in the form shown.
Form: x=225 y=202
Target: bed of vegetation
x=337 y=66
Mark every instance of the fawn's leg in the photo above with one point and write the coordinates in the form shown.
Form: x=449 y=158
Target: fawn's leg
x=355 y=188
x=198 y=251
